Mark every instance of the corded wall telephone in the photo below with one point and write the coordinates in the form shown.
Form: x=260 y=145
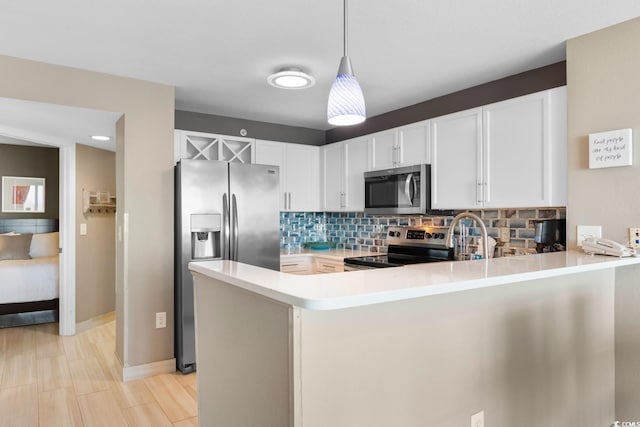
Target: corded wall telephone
x=599 y=246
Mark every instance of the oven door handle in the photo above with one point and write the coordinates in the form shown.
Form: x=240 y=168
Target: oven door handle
x=410 y=188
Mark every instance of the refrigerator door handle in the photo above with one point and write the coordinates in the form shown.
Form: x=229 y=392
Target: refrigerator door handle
x=225 y=226
x=234 y=230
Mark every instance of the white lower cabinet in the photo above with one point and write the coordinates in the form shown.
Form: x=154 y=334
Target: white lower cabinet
x=327 y=265
x=299 y=173
x=508 y=154
x=311 y=264
x=343 y=167
x=297 y=265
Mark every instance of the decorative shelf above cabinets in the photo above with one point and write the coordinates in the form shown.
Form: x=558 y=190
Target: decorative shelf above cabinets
x=209 y=146
x=98 y=202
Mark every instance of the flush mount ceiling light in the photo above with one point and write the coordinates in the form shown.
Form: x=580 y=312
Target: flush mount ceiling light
x=346 y=102
x=291 y=78
x=100 y=138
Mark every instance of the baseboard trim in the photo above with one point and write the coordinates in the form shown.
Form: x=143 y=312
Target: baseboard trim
x=131 y=373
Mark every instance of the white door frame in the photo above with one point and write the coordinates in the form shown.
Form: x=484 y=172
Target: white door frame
x=67 y=222
x=67 y=299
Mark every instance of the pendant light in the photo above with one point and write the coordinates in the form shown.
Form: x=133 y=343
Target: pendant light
x=346 y=102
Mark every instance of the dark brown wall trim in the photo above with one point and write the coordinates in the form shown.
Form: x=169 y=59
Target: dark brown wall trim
x=200 y=122
x=532 y=81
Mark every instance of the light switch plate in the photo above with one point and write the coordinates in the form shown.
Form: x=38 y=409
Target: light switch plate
x=477 y=420
x=83 y=229
x=585 y=231
x=161 y=319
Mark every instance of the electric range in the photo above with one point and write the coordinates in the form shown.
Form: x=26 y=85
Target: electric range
x=407 y=245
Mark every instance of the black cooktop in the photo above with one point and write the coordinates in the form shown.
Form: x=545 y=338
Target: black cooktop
x=398 y=260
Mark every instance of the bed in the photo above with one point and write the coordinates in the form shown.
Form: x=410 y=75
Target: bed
x=29 y=272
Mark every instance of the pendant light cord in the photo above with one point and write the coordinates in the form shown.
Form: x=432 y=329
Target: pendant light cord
x=345 y=28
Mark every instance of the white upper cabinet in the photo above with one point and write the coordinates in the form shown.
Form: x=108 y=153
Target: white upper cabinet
x=456 y=160
x=299 y=173
x=385 y=149
x=209 y=146
x=356 y=155
x=403 y=146
x=414 y=141
x=503 y=155
x=344 y=164
x=333 y=172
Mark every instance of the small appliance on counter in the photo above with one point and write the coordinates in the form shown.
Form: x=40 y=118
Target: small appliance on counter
x=407 y=245
x=551 y=235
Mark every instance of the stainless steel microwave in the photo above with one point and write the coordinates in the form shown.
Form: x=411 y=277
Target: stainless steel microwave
x=405 y=190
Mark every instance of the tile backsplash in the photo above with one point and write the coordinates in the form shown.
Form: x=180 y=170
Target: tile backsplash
x=356 y=230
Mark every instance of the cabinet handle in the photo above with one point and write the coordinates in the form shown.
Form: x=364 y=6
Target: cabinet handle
x=329 y=267
x=285 y=200
x=478 y=192
x=289 y=200
x=343 y=204
x=289 y=265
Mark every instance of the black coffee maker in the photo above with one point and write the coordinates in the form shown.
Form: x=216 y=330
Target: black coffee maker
x=551 y=235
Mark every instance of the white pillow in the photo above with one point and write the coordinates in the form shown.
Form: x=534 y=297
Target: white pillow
x=11 y=233
x=45 y=244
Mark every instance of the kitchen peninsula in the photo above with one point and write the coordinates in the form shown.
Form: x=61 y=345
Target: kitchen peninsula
x=521 y=338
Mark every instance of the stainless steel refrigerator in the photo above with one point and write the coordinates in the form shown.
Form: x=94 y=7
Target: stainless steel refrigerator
x=222 y=211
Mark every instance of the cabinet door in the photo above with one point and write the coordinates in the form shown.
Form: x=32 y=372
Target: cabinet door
x=385 y=150
x=273 y=153
x=414 y=143
x=303 y=177
x=456 y=160
x=356 y=159
x=333 y=176
x=516 y=150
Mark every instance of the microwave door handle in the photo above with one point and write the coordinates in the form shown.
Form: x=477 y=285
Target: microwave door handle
x=414 y=187
x=407 y=188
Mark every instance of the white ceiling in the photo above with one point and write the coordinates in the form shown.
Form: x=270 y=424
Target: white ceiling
x=218 y=53
x=34 y=123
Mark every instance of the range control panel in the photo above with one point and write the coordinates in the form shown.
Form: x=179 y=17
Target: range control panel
x=417 y=235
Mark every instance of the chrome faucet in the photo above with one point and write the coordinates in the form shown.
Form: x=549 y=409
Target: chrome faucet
x=476 y=218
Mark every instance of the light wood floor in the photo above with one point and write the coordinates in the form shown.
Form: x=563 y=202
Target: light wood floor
x=49 y=380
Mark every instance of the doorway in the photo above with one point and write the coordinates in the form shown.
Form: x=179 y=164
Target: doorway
x=62 y=127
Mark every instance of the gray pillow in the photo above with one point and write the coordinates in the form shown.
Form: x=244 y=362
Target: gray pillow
x=15 y=247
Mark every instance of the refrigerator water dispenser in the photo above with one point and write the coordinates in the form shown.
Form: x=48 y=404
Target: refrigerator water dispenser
x=205 y=236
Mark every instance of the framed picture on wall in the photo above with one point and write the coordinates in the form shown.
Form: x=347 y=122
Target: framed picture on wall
x=22 y=194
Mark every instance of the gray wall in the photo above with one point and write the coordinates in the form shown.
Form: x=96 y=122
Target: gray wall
x=603 y=93
x=200 y=122
x=96 y=251
x=37 y=162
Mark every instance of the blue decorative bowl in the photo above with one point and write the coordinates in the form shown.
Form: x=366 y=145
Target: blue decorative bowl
x=319 y=246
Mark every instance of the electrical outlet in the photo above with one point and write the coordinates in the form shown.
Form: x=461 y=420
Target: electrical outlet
x=585 y=231
x=161 y=320
x=505 y=234
x=477 y=420
x=634 y=237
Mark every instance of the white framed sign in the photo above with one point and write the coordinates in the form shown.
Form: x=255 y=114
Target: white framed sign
x=610 y=149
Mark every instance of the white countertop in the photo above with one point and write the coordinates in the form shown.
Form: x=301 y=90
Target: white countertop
x=365 y=287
